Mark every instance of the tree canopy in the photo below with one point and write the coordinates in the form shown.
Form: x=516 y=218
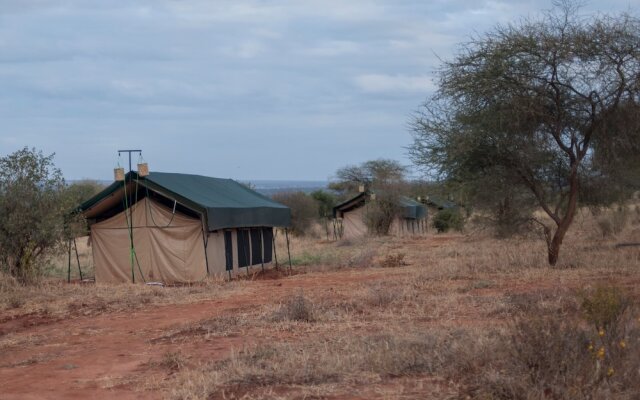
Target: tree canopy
x=385 y=178
x=380 y=172
x=538 y=113
x=32 y=207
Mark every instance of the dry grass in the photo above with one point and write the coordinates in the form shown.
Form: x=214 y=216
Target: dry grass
x=455 y=316
x=449 y=315
x=55 y=299
x=307 y=366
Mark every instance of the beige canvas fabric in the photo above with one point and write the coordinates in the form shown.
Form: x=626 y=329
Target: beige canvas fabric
x=215 y=253
x=169 y=247
x=353 y=224
x=406 y=227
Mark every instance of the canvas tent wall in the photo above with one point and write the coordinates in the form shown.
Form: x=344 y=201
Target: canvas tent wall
x=351 y=216
x=184 y=227
x=168 y=247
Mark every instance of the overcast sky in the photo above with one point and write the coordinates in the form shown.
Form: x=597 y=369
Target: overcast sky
x=242 y=89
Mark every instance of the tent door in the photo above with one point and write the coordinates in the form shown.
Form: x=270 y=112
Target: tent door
x=244 y=249
x=267 y=243
x=228 y=250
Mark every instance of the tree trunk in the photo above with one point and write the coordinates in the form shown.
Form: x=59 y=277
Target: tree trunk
x=553 y=246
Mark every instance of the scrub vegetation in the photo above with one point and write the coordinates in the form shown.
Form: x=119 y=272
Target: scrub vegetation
x=443 y=315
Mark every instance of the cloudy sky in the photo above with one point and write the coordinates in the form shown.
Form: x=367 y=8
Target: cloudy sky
x=242 y=89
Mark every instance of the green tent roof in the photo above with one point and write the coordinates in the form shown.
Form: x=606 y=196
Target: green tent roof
x=224 y=202
x=441 y=203
x=411 y=209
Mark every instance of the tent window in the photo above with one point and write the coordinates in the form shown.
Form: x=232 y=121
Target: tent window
x=267 y=242
x=244 y=251
x=228 y=250
x=256 y=246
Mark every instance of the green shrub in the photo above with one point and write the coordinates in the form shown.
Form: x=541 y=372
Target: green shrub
x=604 y=306
x=448 y=219
x=304 y=210
x=33 y=207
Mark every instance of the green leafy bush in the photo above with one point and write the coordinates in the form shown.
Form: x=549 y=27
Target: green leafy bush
x=33 y=206
x=304 y=210
x=448 y=219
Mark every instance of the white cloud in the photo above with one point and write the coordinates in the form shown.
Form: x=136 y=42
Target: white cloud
x=332 y=48
x=381 y=83
x=246 y=49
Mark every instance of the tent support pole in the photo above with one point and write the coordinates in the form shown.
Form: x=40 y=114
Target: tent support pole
x=261 y=248
x=286 y=233
x=75 y=246
x=275 y=254
x=69 y=265
x=247 y=253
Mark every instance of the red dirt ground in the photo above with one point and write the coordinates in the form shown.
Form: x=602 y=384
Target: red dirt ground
x=113 y=355
x=98 y=356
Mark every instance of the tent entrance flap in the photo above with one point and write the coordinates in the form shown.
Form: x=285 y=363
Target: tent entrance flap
x=168 y=246
x=256 y=246
x=267 y=242
x=244 y=252
x=228 y=250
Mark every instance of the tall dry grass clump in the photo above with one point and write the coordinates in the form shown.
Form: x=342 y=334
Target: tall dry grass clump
x=296 y=308
x=613 y=222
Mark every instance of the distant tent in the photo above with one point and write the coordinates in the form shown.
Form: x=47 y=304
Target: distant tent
x=183 y=228
x=350 y=217
x=439 y=203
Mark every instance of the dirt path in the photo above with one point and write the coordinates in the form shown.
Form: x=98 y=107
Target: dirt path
x=105 y=356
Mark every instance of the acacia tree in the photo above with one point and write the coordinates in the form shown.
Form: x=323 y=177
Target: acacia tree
x=371 y=174
x=534 y=110
x=32 y=210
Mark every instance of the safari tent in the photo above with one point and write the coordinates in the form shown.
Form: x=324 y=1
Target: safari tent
x=179 y=228
x=350 y=217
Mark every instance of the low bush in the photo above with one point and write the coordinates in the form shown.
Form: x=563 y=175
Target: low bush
x=549 y=355
x=613 y=222
x=380 y=214
x=448 y=219
x=296 y=308
x=304 y=210
x=393 y=261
